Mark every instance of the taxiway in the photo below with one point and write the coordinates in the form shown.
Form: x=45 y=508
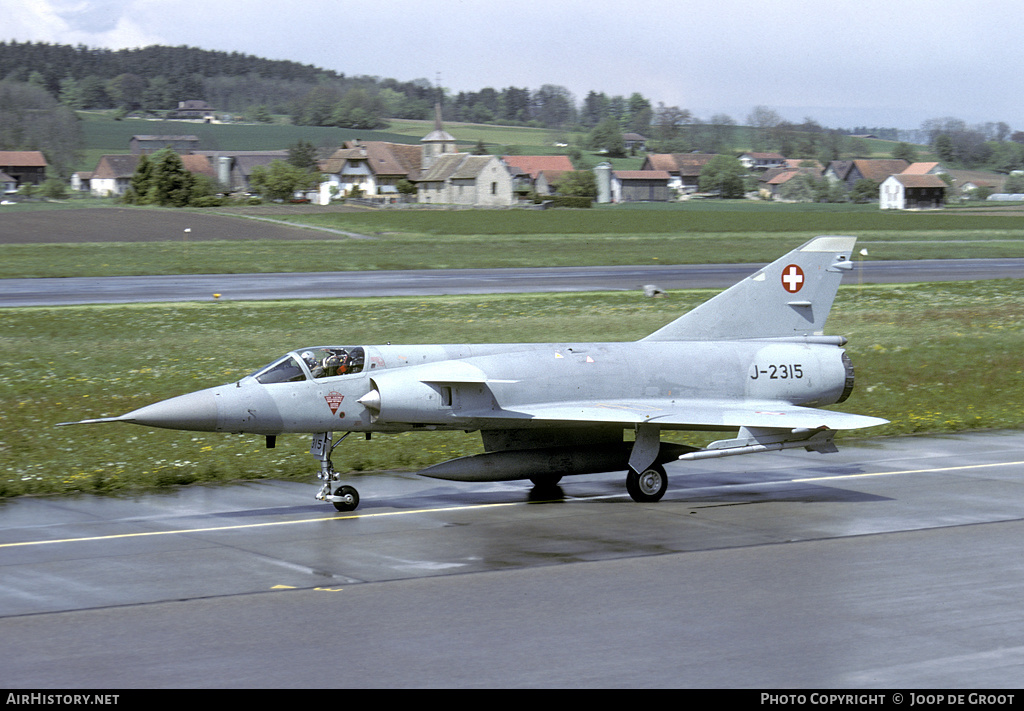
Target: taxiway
x=892 y=564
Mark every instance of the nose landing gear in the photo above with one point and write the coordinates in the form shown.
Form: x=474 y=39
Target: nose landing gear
x=344 y=498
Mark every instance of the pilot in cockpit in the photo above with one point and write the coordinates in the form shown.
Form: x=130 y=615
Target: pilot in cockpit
x=315 y=369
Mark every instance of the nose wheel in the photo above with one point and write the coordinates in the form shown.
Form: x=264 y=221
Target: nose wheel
x=344 y=497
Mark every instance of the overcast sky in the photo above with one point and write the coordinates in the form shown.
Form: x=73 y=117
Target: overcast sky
x=843 y=63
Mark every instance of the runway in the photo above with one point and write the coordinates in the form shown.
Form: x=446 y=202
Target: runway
x=243 y=287
x=892 y=564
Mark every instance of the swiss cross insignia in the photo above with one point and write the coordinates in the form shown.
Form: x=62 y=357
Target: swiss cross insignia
x=334 y=399
x=792 y=278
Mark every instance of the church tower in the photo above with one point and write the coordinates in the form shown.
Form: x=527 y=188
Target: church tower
x=436 y=142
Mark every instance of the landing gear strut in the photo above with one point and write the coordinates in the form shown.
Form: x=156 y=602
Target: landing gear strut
x=646 y=481
x=344 y=498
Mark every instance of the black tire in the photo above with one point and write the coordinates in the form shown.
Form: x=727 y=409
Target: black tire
x=351 y=494
x=647 y=486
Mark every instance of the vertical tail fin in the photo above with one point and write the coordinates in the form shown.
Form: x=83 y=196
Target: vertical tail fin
x=792 y=296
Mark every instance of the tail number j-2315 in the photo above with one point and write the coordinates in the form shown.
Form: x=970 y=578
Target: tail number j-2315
x=785 y=371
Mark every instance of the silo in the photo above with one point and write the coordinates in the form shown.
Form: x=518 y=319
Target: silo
x=603 y=175
x=224 y=172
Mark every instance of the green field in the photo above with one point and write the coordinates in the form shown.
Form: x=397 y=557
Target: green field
x=691 y=233
x=931 y=358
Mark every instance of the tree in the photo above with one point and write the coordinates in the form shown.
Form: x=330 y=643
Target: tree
x=170 y=185
x=578 y=183
x=595 y=109
x=138 y=185
x=280 y=181
x=126 y=90
x=640 y=114
x=553 y=106
x=303 y=155
x=32 y=120
x=943 y=145
x=906 y=152
x=607 y=136
x=406 y=187
x=723 y=175
x=865 y=190
x=670 y=129
x=161 y=179
x=1014 y=183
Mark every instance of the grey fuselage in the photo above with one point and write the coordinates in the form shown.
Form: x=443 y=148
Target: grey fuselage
x=480 y=387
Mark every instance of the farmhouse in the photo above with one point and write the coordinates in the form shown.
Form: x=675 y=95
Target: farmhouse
x=683 y=168
x=23 y=167
x=762 y=161
x=634 y=142
x=640 y=186
x=850 y=171
x=912 y=192
x=537 y=173
x=966 y=182
x=192 y=110
x=771 y=182
x=924 y=169
x=369 y=168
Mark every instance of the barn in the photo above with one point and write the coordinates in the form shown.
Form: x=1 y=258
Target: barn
x=912 y=192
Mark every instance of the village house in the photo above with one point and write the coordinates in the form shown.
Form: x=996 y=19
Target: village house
x=771 y=182
x=966 y=182
x=192 y=110
x=537 y=173
x=368 y=168
x=634 y=142
x=683 y=168
x=762 y=161
x=877 y=170
x=924 y=169
x=22 y=167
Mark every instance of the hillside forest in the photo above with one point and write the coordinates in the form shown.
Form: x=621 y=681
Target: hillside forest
x=43 y=85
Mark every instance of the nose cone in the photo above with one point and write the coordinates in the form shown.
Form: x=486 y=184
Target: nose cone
x=196 y=411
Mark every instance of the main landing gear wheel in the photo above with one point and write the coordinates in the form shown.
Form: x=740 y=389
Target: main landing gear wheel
x=647 y=486
x=350 y=498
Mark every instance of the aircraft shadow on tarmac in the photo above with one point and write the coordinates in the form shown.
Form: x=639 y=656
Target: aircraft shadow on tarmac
x=724 y=488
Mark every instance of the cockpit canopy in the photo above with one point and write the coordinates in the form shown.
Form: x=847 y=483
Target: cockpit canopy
x=317 y=362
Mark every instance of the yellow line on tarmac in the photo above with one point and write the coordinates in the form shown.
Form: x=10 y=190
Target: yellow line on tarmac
x=213 y=529
x=243 y=526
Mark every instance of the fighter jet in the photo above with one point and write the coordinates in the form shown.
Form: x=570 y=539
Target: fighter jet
x=753 y=360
